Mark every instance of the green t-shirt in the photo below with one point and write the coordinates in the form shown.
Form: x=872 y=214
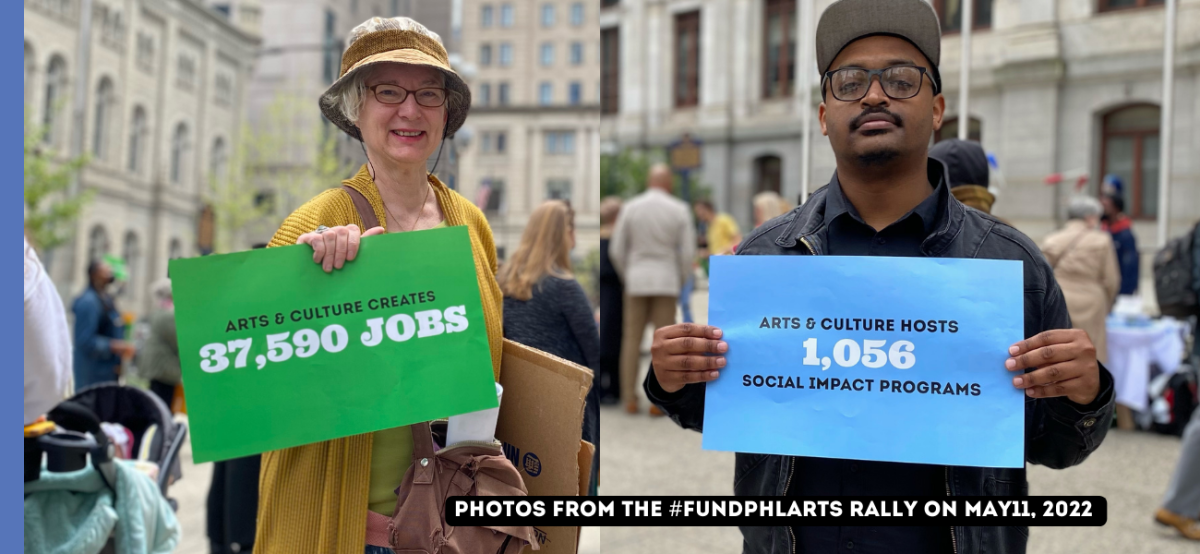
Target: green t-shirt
x=391 y=454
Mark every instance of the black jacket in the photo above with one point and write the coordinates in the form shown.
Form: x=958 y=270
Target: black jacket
x=1058 y=432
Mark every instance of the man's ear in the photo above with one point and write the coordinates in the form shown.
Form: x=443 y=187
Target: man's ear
x=939 y=111
x=821 y=116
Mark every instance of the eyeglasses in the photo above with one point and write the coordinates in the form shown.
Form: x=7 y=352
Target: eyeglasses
x=392 y=94
x=899 y=82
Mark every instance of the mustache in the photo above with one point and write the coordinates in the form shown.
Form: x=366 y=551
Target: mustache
x=858 y=121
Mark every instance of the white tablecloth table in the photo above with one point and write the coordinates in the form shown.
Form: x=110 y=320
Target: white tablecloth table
x=1131 y=351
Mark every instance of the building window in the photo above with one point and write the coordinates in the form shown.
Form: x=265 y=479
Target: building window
x=575 y=93
x=332 y=60
x=223 y=93
x=560 y=142
x=577 y=14
x=545 y=94
x=950 y=14
x=97 y=244
x=547 y=15
x=949 y=130
x=576 y=53
x=502 y=94
x=506 y=15
x=145 y=52
x=180 y=148
x=505 y=54
x=137 y=138
x=501 y=142
x=485 y=55
x=608 y=3
x=1110 y=5
x=547 y=54
x=485 y=142
x=222 y=9
x=485 y=94
x=185 y=69
x=485 y=16
x=1130 y=151
x=687 y=59
x=779 y=65
x=558 y=189
x=30 y=67
x=610 y=70
x=492 y=195
x=175 y=250
x=56 y=92
x=768 y=174
x=131 y=252
x=218 y=163
x=105 y=102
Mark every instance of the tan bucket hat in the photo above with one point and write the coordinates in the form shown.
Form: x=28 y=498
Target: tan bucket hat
x=396 y=40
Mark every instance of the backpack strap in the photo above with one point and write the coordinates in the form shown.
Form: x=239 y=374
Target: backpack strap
x=365 y=211
x=423 y=462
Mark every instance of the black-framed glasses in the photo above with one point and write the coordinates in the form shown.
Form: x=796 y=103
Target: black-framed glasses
x=899 y=82
x=431 y=97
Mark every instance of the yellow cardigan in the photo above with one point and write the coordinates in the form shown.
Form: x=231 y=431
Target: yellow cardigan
x=313 y=498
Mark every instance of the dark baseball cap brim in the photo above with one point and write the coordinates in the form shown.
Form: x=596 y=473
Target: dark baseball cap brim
x=846 y=21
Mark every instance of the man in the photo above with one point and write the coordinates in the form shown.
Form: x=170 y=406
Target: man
x=1181 y=506
x=967 y=170
x=652 y=247
x=612 y=298
x=158 y=360
x=723 y=233
x=1121 y=228
x=881 y=102
x=99 y=347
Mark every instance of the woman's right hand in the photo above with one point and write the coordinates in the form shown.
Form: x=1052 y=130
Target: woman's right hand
x=336 y=245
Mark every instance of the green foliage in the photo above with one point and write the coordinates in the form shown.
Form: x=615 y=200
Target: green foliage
x=50 y=208
x=624 y=174
x=587 y=272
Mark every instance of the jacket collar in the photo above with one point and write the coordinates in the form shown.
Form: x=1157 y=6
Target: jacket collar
x=808 y=227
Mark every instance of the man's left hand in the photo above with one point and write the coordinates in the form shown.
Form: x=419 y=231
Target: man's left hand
x=1065 y=362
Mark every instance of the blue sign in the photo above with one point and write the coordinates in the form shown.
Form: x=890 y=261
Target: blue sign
x=867 y=358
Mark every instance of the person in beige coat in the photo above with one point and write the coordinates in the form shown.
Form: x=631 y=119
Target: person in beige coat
x=1085 y=265
x=652 y=248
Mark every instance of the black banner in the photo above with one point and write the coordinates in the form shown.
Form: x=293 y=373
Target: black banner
x=702 y=511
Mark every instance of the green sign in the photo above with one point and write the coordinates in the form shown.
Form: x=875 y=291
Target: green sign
x=277 y=353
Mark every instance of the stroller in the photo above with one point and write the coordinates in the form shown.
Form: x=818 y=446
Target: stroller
x=75 y=436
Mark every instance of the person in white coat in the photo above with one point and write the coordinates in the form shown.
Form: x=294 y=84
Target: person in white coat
x=47 y=341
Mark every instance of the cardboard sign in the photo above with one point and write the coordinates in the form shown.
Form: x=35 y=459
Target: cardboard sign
x=541 y=422
x=868 y=358
x=277 y=353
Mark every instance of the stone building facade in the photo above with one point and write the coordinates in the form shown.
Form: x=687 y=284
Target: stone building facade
x=1056 y=86
x=162 y=86
x=534 y=122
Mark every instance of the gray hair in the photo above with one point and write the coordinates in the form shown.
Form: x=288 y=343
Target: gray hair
x=1082 y=207
x=161 y=289
x=349 y=97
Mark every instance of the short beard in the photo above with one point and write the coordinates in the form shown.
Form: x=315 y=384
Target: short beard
x=877 y=158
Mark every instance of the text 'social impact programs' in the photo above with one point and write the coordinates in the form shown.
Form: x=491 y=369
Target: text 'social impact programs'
x=277 y=353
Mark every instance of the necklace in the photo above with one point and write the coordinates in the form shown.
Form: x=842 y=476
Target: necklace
x=419 y=210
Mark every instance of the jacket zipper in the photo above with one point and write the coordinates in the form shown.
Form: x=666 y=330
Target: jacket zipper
x=792 y=459
x=953 y=539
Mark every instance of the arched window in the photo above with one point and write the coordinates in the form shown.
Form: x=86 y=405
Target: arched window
x=105 y=101
x=97 y=243
x=180 y=149
x=768 y=174
x=218 y=162
x=137 y=139
x=132 y=254
x=56 y=92
x=1130 y=151
x=949 y=130
x=30 y=67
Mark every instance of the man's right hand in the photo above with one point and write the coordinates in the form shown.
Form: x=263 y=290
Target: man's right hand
x=123 y=349
x=686 y=353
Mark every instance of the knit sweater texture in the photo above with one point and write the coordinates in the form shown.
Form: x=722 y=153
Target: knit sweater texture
x=313 y=498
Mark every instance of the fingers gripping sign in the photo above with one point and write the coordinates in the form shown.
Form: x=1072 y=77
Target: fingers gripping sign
x=1063 y=363
x=687 y=353
x=334 y=246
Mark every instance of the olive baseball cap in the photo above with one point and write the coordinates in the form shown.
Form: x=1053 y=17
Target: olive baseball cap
x=846 y=21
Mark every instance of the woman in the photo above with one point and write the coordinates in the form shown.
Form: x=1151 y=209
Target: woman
x=1085 y=265
x=546 y=308
x=398 y=95
x=612 y=296
x=768 y=205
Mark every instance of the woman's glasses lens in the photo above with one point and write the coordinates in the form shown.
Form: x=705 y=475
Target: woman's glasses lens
x=428 y=97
